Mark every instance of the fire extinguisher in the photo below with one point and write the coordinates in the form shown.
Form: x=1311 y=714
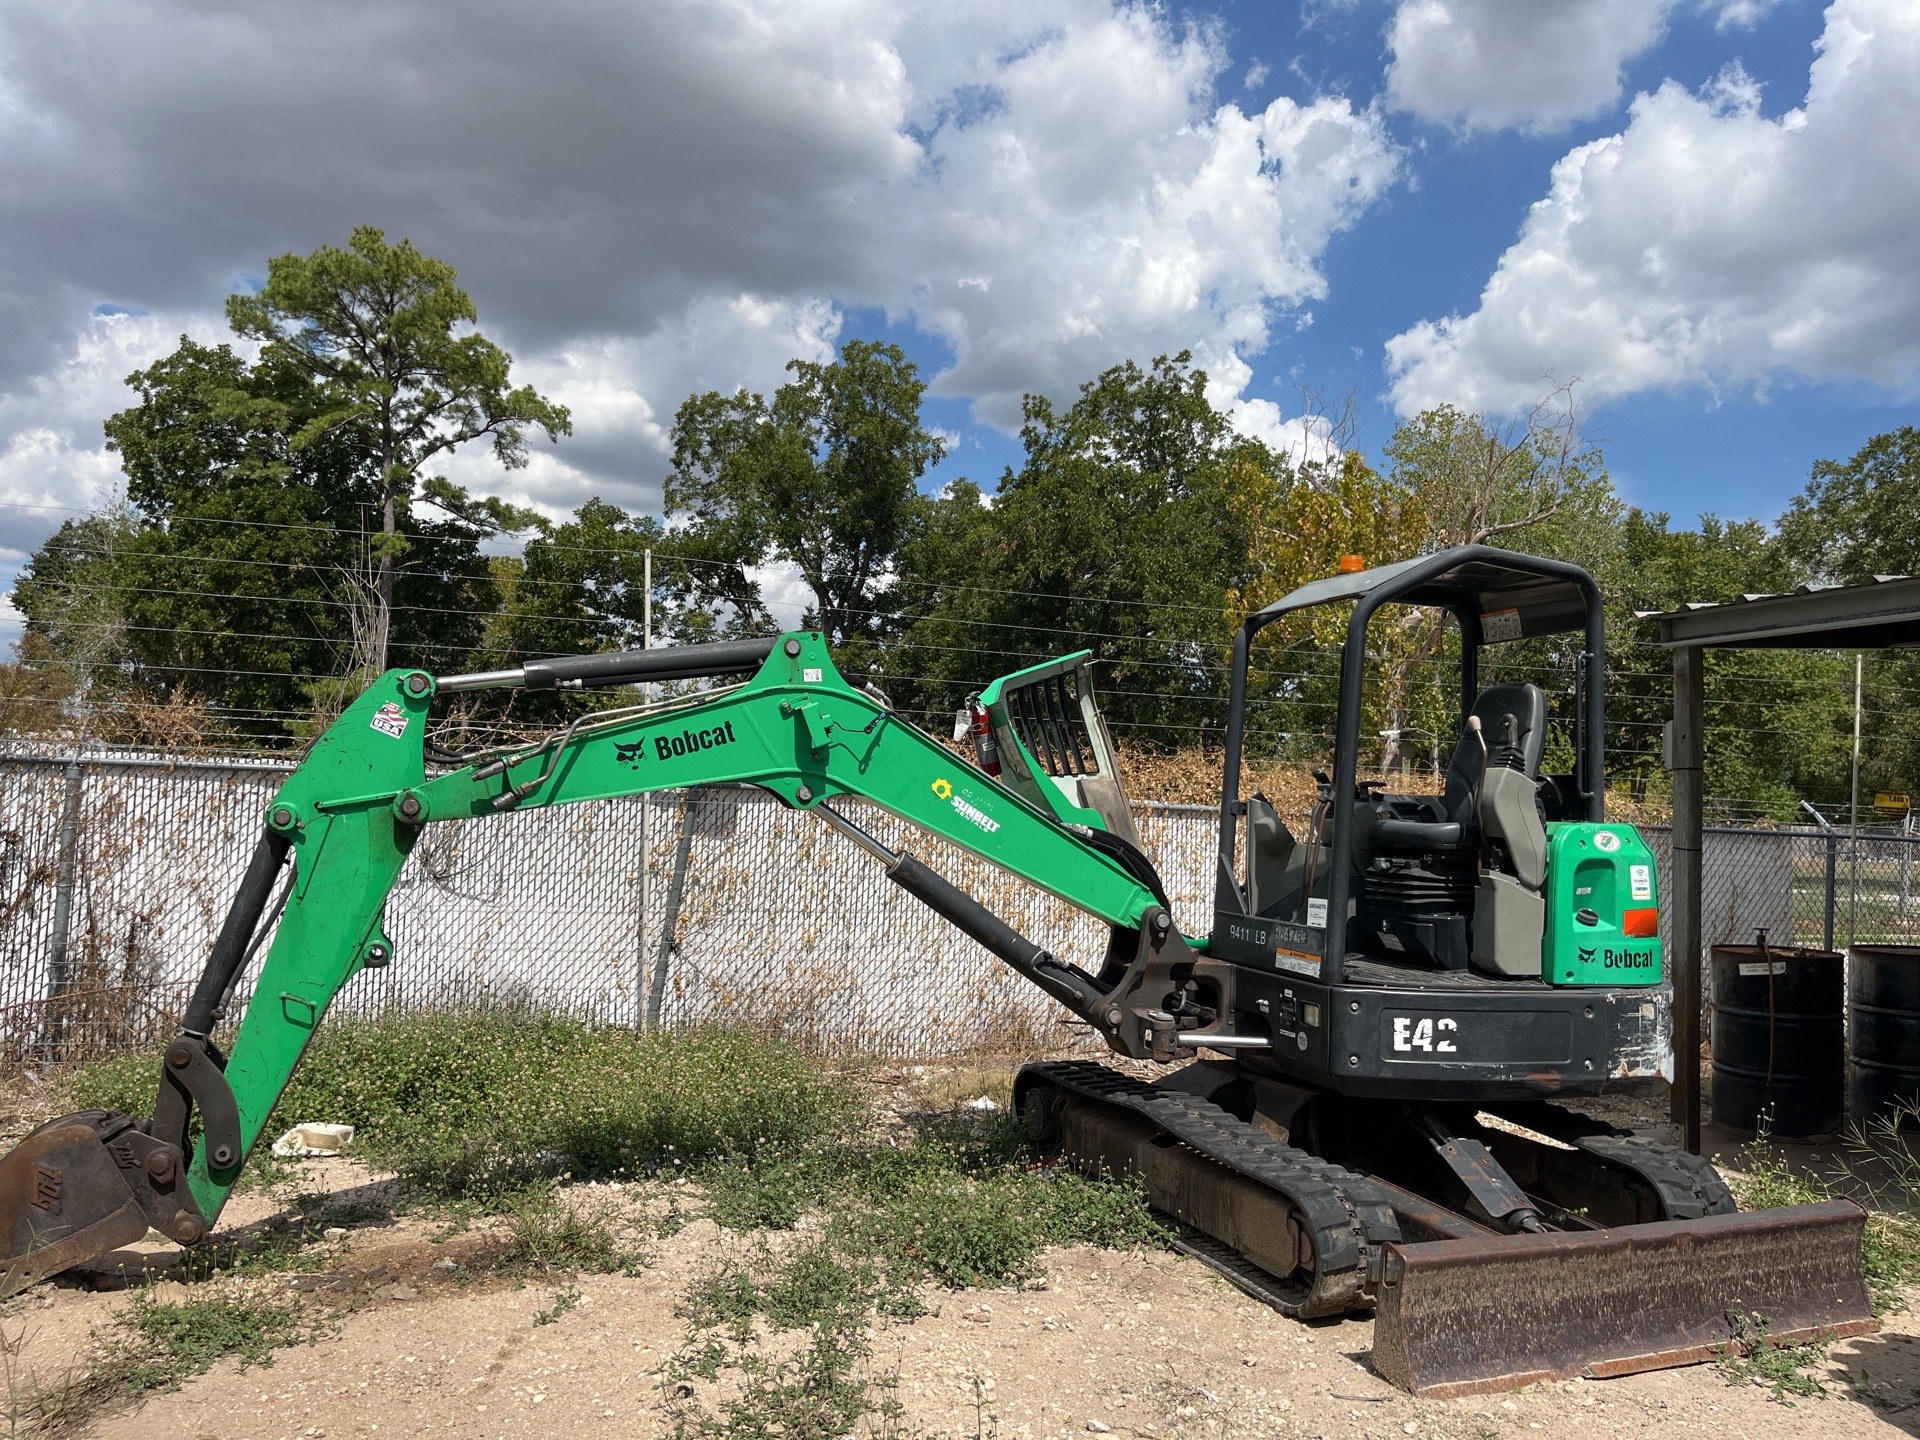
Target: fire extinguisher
x=986 y=754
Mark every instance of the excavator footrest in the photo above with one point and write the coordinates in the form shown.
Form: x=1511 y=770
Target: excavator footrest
x=1459 y=1317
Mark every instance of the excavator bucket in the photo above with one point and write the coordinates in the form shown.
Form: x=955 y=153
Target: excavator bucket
x=63 y=1200
x=1458 y=1317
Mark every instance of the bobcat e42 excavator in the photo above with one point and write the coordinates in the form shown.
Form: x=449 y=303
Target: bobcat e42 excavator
x=1397 y=1003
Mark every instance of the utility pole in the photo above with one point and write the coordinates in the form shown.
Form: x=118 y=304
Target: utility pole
x=1853 y=841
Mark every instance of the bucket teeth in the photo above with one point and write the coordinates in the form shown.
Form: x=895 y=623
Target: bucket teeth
x=84 y=1185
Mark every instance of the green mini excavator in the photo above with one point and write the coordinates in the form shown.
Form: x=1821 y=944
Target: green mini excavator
x=1373 y=1055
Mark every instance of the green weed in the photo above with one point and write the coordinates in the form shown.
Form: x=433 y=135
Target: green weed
x=821 y=1388
x=1877 y=1169
x=167 y=1342
x=33 y=1404
x=483 y=1103
x=564 y=1299
x=962 y=1204
x=1756 y=1358
x=552 y=1233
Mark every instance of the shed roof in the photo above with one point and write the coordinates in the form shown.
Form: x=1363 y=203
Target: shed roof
x=1880 y=614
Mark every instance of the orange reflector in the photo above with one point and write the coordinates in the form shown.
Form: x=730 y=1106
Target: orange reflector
x=1641 y=924
x=1351 y=564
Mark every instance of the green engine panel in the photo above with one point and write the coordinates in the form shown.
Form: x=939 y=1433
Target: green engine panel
x=1595 y=875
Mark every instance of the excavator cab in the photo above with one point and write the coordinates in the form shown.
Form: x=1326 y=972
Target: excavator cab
x=1458 y=881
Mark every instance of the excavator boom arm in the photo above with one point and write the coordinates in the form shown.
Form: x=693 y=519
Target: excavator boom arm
x=347 y=818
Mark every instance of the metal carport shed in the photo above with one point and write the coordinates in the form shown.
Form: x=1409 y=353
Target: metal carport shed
x=1883 y=614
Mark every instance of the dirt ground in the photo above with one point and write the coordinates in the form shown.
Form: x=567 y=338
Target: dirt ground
x=428 y=1339
x=1148 y=1345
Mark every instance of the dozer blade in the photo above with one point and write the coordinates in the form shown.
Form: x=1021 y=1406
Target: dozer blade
x=1457 y=1317
x=62 y=1200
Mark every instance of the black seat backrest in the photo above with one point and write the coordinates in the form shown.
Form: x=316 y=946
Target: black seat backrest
x=1513 y=723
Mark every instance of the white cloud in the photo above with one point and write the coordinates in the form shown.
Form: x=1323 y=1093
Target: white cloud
x=622 y=392
x=1709 y=245
x=784 y=591
x=1535 y=64
x=645 y=200
x=53 y=459
x=1303 y=439
x=1738 y=14
x=1110 y=211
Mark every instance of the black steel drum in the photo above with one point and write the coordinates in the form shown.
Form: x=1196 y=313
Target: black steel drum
x=1779 y=1040
x=1883 y=1014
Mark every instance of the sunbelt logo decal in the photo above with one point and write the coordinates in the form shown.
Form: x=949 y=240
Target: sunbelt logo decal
x=943 y=789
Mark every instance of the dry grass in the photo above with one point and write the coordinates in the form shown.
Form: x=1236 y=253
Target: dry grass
x=1192 y=777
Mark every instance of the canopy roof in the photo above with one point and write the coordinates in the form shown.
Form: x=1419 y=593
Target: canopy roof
x=1543 y=597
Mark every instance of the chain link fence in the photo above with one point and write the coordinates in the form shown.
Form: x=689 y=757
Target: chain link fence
x=116 y=871
x=1803 y=886
x=720 y=903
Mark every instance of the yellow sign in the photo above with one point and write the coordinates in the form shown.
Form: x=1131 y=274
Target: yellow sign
x=1892 y=800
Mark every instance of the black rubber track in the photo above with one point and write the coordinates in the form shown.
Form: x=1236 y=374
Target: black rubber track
x=1688 y=1185
x=1346 y=1214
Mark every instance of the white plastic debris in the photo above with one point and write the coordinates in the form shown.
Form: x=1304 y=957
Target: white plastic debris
x=981 y=1102
x=313 y=1139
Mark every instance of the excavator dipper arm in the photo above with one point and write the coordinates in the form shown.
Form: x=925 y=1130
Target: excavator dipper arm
x=340 y=828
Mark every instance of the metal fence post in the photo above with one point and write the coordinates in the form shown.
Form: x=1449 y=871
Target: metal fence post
x=1684 y=899
x=1906 y=862
x=63 y=891
x=1833 y=884
x=670 y=919
x=1833 y=865
x=643 y=901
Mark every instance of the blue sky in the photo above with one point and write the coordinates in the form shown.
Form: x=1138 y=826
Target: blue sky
x=1702 y=209
x=1427 y=247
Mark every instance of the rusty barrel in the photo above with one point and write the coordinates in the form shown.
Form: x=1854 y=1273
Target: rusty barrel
x=1883 y=1020
x=1779 y=1040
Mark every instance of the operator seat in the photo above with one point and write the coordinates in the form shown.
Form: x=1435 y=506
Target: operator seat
x=1420 y=898
x=1512 y=734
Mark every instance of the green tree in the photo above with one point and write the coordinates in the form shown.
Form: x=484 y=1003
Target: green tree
x=1778 y=723
x=1118 y=532
x=1298 y=532
x=376 y=329
x=825 y=478
x=236 y=572
x=1536 y=484
x=578 y=588
x=1859 y=517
